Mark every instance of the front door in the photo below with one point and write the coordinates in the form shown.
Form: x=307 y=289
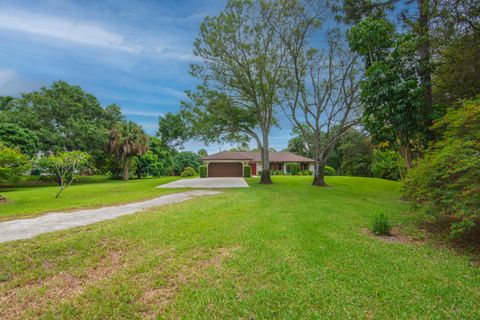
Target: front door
x=254 y=168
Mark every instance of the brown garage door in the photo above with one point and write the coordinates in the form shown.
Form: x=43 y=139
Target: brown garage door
x=225 y=169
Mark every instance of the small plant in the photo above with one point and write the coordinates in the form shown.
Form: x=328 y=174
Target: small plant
x=247 y=171
x=188 y=172
x=203 y=171
x=381 y=224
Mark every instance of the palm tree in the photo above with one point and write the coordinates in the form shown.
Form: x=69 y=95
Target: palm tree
x=127 y=139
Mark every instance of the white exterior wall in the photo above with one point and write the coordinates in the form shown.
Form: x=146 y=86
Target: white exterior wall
x=311 y=167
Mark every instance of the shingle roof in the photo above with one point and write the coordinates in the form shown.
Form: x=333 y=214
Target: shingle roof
x=255 y=156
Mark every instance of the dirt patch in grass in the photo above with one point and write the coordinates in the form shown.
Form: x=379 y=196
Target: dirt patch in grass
x=398 y=234
x=156 y=299
x=33 y=298
x=3 y=200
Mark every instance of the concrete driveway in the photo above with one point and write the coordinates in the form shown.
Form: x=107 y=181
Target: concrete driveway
x=207 y=183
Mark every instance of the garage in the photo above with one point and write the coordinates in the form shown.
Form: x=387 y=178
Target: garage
x=225 y=169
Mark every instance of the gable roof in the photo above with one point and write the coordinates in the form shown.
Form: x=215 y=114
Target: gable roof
x=255 y=156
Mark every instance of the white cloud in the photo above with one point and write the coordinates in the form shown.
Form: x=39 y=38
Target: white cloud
x=11 y=83
x=86 y=33
x=141 y=113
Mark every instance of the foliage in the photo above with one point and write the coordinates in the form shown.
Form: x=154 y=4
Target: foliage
x=13 y=164
x=65 y=167
x=247 y=171
x=13 y=136
x=172 y=130
x=300 y=143
x=387 y=164
x=329 y=171
x=202 y=153
x=371 y=38
x=186 y=159
x=127 y=139
x=354 y=154
x=292 y=168
x=188 y=172
x=393 y=99
x=456 y=76
x=203 y=171
x=5 y=103
x=447 y=181
x=381 y=224
x=148 y=165
x=64 y=117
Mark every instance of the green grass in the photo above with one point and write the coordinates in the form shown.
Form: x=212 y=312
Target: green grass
x=285 y=251
x=89 y=192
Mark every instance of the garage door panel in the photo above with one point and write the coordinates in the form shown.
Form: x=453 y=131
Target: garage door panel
x=225 y=169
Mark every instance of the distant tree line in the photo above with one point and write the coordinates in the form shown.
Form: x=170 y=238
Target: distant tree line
x=63 y=124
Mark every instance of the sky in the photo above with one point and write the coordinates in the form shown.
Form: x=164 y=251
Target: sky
x=135 y=53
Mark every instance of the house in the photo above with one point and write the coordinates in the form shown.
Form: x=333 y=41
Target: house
x=230 y=164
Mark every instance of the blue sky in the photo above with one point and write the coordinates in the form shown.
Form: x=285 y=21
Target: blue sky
x=135 y=53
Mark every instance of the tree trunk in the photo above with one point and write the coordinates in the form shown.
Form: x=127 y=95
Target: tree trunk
x=407 y=155
x=319 y=174
x=125 y=170
x=425 y=57
x=265 y=178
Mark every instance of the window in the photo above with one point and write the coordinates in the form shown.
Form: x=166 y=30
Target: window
x=276 y=166
x=303 y=166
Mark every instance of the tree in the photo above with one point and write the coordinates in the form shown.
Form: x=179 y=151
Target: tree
x=186 y=159
x=13 y=165
x=354 y=151
x=300 y=143
x=13 y=136
x=172 y=130
x=65 y=167
x=148 y=165
x=202 y=153
x=392 y=97
x=5 y=103
x=322 y=100
x=244 y=54
x=65 y=118
x=127 y=139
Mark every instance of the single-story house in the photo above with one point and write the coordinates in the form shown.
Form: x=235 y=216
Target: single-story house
x=230 y=164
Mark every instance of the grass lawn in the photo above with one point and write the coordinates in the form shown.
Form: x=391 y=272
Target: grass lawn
x=88 y=192
x=285 y=251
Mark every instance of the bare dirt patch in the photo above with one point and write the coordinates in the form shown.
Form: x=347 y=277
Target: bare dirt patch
x=3 y=200
x=156 y=299
x=397 y=235
x=34 y=297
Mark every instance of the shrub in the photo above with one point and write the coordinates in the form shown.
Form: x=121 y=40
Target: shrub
x=278 y=173
x=387 y=164
x=203 y=171
x=329 y=171
x=188 y=172
x=13 y=164
x=446 y=183
x=247 y=171
x=381 y=224
x=259 y=173
x=292 y=168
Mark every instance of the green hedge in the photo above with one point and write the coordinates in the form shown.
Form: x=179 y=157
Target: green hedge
x=247 y=171
x=203 y=171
